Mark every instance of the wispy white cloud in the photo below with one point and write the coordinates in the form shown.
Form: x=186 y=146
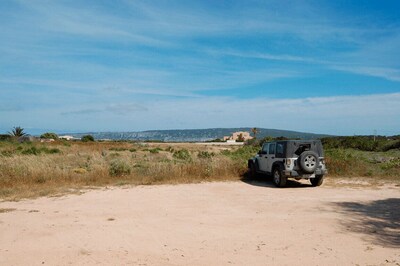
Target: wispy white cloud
x=392 y=74
x=116 y=109
x=171 y=56
x=359 y=114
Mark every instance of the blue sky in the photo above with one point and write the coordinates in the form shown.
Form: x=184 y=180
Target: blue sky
x=316 y=66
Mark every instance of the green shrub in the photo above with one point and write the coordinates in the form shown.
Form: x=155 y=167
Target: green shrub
x=49 y=135
x=393 y=163
x=51 y=151
x=119 y=168
x=155 y=150
x=205 y=155
x=395 y=144
x=242 y=154
x=216 y=140
x=65 y=143
x=5 y=137
x=31 y=151
x=87 y=138
x=363 y=143
x=182 y=155
x=36 y=151
x=132 y=150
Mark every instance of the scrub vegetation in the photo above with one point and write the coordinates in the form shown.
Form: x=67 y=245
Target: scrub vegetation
x=39 y=169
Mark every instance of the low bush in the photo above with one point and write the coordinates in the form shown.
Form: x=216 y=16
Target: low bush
x=119 y=168
x=52 y=151
x=155 y=150
x=4 y=137
x=242 y=154
x=363 y=143
x=205 y=155
x=182 y=155
x=391 y=164
x=49 y=135
x=33 y=150
x=87 y=138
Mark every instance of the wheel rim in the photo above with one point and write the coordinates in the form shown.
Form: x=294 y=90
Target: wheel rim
x=310 y=162
x=277 y=177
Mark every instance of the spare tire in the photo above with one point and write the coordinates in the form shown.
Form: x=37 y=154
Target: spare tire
x=309 y=161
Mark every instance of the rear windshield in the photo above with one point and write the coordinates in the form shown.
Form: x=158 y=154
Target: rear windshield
x=295 y=148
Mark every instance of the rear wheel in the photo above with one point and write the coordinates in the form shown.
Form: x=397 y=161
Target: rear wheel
x=317 y=180
x=279 y=179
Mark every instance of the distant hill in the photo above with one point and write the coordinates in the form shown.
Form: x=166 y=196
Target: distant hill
x=192 y=135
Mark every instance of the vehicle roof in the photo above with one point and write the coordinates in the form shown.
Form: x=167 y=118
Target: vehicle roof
x=295 y=140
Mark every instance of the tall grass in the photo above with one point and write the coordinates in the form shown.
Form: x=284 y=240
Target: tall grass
x=350 y=162
x=38 y=169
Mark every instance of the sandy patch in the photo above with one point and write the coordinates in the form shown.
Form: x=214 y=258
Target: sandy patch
x=232 y=223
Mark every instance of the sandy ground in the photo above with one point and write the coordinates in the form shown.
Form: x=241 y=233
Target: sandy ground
x=233 y=223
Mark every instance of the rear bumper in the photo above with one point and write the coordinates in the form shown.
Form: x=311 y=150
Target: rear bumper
x=293 y=173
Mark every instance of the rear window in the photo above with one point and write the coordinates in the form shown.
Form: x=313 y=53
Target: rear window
x=279 y=148
x=302 y=148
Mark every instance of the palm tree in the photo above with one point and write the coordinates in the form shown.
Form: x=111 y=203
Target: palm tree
x=17 y=132
x=254 y=130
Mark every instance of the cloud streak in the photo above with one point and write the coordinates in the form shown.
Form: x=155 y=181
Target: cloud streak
x=197 y=64
x=119 y=109
x=333 y=115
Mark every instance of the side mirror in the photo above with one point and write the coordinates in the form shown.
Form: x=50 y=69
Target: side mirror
x=260 y=152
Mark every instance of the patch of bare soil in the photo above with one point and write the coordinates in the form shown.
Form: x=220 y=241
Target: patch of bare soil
x=231 y=223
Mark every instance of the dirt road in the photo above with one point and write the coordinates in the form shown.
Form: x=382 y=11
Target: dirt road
x=233 y=223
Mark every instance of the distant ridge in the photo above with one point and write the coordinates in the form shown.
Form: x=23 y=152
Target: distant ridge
x=192 y=135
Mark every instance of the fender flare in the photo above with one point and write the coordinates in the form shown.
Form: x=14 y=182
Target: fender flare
x=277 y=164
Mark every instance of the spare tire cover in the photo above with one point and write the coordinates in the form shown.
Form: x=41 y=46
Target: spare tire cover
x=309 y=161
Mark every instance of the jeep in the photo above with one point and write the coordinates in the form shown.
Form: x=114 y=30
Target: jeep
x=290 y=159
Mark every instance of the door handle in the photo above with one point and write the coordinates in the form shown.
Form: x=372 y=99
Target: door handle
x=272 y=157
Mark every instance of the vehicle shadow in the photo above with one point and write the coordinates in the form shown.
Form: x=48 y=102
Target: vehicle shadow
x=266 y=181
x=378 y=221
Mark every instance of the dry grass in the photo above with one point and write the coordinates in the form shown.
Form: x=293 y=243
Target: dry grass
x=80 y=165
x=355 y=163
x=42 y=169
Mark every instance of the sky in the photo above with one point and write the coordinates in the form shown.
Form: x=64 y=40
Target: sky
x=329 y=67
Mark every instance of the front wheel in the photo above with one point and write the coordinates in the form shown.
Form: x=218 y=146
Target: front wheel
x=317 y=180
x=253 y=170
x=279 y=179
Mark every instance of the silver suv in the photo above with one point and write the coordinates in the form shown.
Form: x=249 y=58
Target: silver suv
x=290 y=159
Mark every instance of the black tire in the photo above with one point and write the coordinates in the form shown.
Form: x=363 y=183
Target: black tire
x=278 y=178
x=317 y=181
x=309 y=161
x=253 y=171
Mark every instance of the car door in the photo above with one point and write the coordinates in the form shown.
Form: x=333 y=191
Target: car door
x=263 y=158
